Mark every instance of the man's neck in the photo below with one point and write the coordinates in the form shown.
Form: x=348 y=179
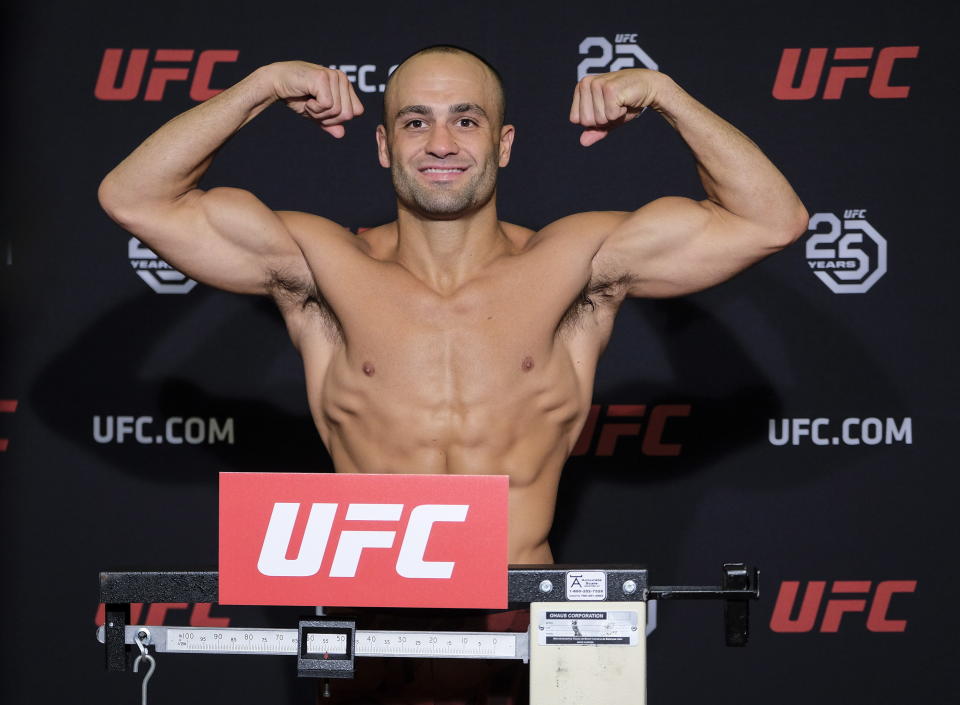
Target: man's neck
x=445 y=254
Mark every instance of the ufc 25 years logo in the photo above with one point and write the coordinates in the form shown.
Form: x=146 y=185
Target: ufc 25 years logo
x=847 y=255
x=157 y=274
x=604 y=56
x=350 y=543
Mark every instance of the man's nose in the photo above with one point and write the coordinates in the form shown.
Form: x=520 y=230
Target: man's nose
x=441 y=142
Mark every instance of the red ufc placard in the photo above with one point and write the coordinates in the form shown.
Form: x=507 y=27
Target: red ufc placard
x=363 y=540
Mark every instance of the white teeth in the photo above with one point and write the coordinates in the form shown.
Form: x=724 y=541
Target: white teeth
x=442 y=171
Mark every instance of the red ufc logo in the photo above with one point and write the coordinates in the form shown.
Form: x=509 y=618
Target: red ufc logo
x=627 y=423
x=6 y=406
x=363 y=540
x=856 y=63
x=167 y=65
x=158 y=613
x=836 y=607
x=350 y=544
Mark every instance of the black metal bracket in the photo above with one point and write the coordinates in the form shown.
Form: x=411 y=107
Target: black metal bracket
x=738 y=585
x=117 y=616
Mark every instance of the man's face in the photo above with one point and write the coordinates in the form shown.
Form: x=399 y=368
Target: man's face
x=442 y=138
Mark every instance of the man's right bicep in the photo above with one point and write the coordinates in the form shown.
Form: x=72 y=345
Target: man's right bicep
x=225 y=237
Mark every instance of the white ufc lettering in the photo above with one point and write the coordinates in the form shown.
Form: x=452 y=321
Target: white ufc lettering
x=273 y=560
x=410 y=563
x=351 y=543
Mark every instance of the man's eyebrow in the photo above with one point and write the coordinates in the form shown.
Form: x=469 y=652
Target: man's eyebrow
x=455 y=109
x=414 y=110
x=467 y=108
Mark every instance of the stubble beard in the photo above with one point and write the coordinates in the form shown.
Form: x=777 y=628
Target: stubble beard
x=445 y=200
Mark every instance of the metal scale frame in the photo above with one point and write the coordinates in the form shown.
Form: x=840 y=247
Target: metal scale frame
x=586 y=644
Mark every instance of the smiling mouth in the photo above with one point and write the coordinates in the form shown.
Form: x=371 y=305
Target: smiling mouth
x=444 y=170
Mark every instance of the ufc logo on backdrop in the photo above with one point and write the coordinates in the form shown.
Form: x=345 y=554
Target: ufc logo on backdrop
x=164 y=66
x=350 y=543
x=6 y=406
x=846 y=63
x=158 y=613
x=625 y=420
x=846 y=596
x=363 y=540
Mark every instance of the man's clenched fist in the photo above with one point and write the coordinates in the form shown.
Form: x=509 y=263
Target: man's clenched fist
x=316 y=92
x=604 y=101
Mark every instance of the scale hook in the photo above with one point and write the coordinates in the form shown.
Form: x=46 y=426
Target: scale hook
x=143 y=636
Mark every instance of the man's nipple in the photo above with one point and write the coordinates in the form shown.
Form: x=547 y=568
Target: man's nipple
x=527 y=364
x=368 y=369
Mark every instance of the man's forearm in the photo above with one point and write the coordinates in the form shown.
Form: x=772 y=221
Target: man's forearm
x=734 y=172
x=174 y=158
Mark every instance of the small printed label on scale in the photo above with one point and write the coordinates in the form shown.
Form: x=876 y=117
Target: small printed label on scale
x=588 y=628
x=587 y=586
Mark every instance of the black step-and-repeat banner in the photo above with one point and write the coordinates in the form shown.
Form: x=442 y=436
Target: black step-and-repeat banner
x=799 y=417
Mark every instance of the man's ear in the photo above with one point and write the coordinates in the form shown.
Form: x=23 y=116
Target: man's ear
x=383 y=150
x=507 y=133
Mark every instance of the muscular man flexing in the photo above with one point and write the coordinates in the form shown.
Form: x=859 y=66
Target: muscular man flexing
x=449 y=341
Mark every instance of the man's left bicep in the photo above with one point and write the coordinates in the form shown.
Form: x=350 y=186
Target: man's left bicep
x=675 y=246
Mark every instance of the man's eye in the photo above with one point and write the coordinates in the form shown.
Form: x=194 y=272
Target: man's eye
x=466 y=122
x=416 y=124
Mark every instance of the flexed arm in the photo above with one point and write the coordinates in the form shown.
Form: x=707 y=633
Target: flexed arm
x=224 y=237
x=673 y=246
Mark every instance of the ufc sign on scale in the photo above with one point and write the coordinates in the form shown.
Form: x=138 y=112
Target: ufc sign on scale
x=363 y=540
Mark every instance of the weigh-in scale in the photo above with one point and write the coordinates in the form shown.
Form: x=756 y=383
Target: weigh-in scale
x=586 y=644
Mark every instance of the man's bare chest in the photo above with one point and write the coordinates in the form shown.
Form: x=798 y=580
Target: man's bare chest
x=527 y=307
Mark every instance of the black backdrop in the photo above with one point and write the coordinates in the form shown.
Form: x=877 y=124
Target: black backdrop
x=92 y=352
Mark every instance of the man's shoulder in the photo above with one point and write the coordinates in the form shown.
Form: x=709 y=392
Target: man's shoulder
x=519 y=235
x=378 y=238
x=304 y=226
x=588 y=229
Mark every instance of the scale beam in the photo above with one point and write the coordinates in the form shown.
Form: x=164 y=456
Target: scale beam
x=381 y=643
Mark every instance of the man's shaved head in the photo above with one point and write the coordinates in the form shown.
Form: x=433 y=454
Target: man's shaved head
x=443 y=136
x=498 y=116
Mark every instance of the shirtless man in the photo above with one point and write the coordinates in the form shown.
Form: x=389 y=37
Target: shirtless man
x=449 y=341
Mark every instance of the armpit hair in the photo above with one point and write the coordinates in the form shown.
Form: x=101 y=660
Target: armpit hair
x=295 y=292
x=601 y=292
